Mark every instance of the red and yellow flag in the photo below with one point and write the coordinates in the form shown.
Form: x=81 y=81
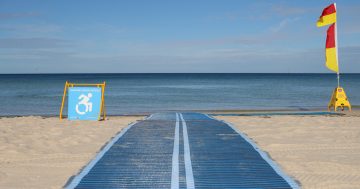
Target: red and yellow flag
x=328 y=16
x=331 y=49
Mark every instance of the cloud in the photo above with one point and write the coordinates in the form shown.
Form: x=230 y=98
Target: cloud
x=4 y=16
x=227 y=16
x=350 y=28
x=218 y=41
x=286 y=10
x=267 y=10
x=102 y=28
x=350 y=50
x=33 y=43
x=284 y=23
x=34 y=54
x=248 y=40
x=221 y=60
x=26 y=28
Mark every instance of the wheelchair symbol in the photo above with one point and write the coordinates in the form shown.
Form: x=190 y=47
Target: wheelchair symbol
x=84 y=101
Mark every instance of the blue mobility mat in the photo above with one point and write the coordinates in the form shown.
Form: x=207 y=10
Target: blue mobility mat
x=189 y=150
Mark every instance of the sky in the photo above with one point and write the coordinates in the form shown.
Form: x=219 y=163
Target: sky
x=162 y=36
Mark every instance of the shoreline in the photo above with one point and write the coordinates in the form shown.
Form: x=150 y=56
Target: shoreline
x=355 y=108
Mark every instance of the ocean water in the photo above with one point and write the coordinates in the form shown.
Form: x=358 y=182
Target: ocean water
x=145 y=93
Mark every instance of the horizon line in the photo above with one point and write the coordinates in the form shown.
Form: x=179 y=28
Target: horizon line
x=78 y=73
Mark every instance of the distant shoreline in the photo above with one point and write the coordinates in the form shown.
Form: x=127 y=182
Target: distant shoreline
x=355 y=108
x=142 y=94
x=176 y=73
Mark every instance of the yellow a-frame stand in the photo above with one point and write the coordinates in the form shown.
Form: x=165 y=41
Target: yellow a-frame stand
x=102 y=114
x=339 y=99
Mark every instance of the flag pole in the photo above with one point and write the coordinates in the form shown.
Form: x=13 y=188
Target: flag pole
x=338 y=97
x=337 y=54
x=337 y=47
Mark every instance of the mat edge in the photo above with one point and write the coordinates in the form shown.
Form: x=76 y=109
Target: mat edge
x=263 y=154
x=76 y=180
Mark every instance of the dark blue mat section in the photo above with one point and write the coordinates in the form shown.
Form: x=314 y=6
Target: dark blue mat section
x=139 y=159
x=195 y=116
x=219 y=157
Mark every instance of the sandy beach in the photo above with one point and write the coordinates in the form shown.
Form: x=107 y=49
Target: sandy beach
x=271 y=69
x=318 y=151
x=38 y=152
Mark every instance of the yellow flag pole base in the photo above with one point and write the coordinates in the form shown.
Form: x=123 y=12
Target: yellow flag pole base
x=339 y=99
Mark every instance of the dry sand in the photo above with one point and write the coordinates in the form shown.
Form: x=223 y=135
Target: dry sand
x=318 y=151
x=38 y=152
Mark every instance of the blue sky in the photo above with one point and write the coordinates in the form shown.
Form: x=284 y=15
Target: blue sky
x=146 y=36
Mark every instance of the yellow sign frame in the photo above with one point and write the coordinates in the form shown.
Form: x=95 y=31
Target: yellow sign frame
x=339 y=99
x=102 y=114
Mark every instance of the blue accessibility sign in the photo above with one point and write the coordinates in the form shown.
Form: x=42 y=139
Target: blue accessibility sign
x=84 y=103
